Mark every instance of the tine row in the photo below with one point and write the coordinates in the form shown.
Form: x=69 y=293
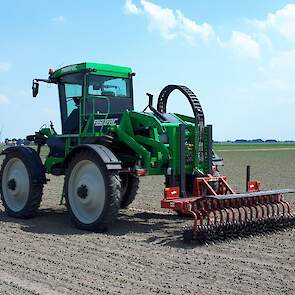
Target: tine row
x=203 y=234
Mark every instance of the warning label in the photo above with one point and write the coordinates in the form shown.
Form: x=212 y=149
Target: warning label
x=105 y=122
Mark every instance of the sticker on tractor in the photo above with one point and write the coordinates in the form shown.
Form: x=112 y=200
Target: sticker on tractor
x=69 y=69
x=105 y=122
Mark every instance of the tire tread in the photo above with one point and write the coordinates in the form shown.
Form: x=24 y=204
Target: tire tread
x=113 y=188
x=131 y=191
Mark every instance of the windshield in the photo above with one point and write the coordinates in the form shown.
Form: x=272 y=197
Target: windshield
x=109 y=86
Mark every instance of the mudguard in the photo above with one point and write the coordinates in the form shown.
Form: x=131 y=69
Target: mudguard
x=29 y=153
x=106 y=155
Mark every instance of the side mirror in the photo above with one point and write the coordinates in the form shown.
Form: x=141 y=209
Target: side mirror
x=35 y=88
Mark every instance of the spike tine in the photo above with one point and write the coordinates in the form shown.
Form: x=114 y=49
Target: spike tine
x=251 y=209
x=195 y=224
x=286 y=204
x=249 y=216
x=282 y=208
x=262 y=209
x=274 y=209
x=275 y=206
x=270 y=209
x=215 y=211
x=245 y=208
x=266 y=202
x=259 y=210
x=256 y=209
x=196 y=208
x=242 y=208
x=220 y=211
x=201 y=218
x=208 y=217
x=240 y=214
x=223 y=211
x=265 y=209
x=232 y=209
x=229 y=213
x=285 y=208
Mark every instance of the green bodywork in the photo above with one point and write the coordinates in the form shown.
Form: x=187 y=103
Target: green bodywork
x=156 y=150
x=95 y=68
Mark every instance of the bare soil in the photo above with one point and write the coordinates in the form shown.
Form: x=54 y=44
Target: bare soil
x=143 y=253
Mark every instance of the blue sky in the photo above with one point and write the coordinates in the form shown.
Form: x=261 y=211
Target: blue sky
x=237 y=56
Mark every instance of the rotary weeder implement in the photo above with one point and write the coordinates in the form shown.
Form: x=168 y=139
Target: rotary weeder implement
x=219 y=213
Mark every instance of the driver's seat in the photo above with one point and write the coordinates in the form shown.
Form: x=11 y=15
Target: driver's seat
x=70 y=126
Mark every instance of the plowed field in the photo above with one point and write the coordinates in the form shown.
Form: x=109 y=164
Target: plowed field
x=143 y=252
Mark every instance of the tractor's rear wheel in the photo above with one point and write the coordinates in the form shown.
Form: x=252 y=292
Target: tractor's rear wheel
x=21 y=189
x=92 y=192
x=129 y=188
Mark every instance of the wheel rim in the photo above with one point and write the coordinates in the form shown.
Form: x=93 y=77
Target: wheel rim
x=15 y=184
x=86 y=191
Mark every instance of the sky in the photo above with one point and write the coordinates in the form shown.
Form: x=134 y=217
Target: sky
x=237 y=56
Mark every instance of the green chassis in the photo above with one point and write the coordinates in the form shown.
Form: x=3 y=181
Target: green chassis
x=149 y=151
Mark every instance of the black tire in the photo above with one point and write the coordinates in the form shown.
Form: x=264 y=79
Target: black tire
x=110 y=183
x=129 y=188
x=19 y=164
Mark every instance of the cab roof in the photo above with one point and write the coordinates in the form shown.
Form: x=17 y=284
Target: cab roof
x=95 y=68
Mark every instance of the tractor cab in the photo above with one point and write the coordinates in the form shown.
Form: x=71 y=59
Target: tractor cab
x=91 y=96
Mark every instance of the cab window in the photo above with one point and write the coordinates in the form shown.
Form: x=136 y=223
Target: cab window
x=108 y=86
x=72 y=92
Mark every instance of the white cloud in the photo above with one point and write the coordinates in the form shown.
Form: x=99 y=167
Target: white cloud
x=58 y=19
x=243 y=44
x=161 y=19
x=130 y=7
x=263 y=39
x=278 y=76
x=190 y=28
x=3 y=99
x=169 y=23
x=282 y=71
x=5 y=66
x=281 y=21
x=284 y=62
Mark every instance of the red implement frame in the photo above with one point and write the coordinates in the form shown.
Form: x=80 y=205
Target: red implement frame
x=214 y=203
x=201 y=189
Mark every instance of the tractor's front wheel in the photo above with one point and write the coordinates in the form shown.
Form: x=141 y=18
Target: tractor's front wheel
x=22 y=179
x=92 y=192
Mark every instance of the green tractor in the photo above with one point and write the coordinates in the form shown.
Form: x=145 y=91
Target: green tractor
x=105 y=146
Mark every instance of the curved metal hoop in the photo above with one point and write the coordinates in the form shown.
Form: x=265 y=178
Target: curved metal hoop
x=192 y=98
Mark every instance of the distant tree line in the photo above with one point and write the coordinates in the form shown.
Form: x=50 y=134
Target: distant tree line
x=257 y=140
x=16 y=141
